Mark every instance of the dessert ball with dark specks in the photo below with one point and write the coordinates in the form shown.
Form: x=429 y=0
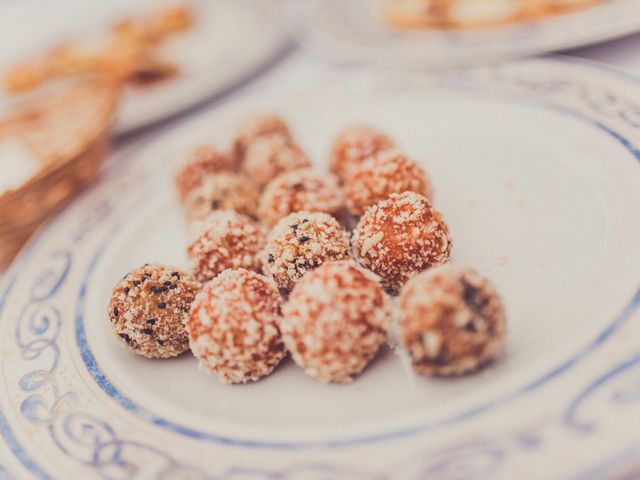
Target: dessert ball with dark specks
x=388 y=172
x=233 y=327
x=354 y=145
x=297 y=191
x=451 y=321
x=335 y=320
x=202 y=161
x=301 y=242
x=148 y=309
x=256 y=127
x=226 y=240
x=399 y=237
x=222 y=191
x=269 y=156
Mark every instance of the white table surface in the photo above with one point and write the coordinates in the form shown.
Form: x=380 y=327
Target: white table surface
x=297 y=68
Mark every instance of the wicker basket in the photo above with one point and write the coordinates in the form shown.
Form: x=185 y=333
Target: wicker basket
x=68 y=131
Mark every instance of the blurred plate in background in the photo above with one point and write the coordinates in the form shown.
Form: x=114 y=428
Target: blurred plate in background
x=355 y=32
x=230 y=41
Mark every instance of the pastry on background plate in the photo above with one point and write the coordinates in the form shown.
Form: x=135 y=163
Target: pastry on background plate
x=472 y=13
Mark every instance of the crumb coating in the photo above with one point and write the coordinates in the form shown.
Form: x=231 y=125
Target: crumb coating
x=399 y=237
x=301 y=242
x=255 y=127
x=354 y=145
x=452 y=321
x=269 y=156
x=299 y=190
x=387 y=172
x=148 y=308
x=227 y=240
x=233 y=327
x=202 y=161
x=335 y=320
x=221 y=191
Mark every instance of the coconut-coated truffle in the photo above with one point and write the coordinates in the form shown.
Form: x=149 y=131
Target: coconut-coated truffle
x=148 y=308
x=451 y=321
x=354 y=145
x=233 y=327
x=201 y=161
x=269 y=156
x=256 y=127
x=222 y=191
x=299 y=190
x=390 y=171
x=399 y=237
x=301 y=242
x=227 y=240
x=335 y=320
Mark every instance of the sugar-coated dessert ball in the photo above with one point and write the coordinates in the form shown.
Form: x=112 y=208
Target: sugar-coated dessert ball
x=233 y=327
x=354 y=145
x=299 y=190
x=451 y=321
x=256 y=127
x=301 y=242
x=390 y=171
x=202 y=161
x=399 y=237
x=222 y=191
x=269 y=156
x=226 y=240
x=148 y=309
x=335 y=320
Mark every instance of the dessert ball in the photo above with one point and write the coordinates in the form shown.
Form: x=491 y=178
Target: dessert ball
x=255 y=127
x=399 y=237
x=148 y=309
x=269 y=156
x=387 y=172
x=451 y=320
x=222 y=191
x=335 y=321
x=233 y=327
x=296 y=191
x=202 y=161
x=301 y=242
x=355 y=144
x=226 y=240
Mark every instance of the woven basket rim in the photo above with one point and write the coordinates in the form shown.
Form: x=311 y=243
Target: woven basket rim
x=110 y=94
x=61 y=174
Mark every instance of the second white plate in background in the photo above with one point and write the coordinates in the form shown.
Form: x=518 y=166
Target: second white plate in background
x=230 y=41
x=354 y=32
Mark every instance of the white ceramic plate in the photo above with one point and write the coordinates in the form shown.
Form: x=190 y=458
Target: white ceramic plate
x=230 y=41
x=354 y=32
x=536 y=169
